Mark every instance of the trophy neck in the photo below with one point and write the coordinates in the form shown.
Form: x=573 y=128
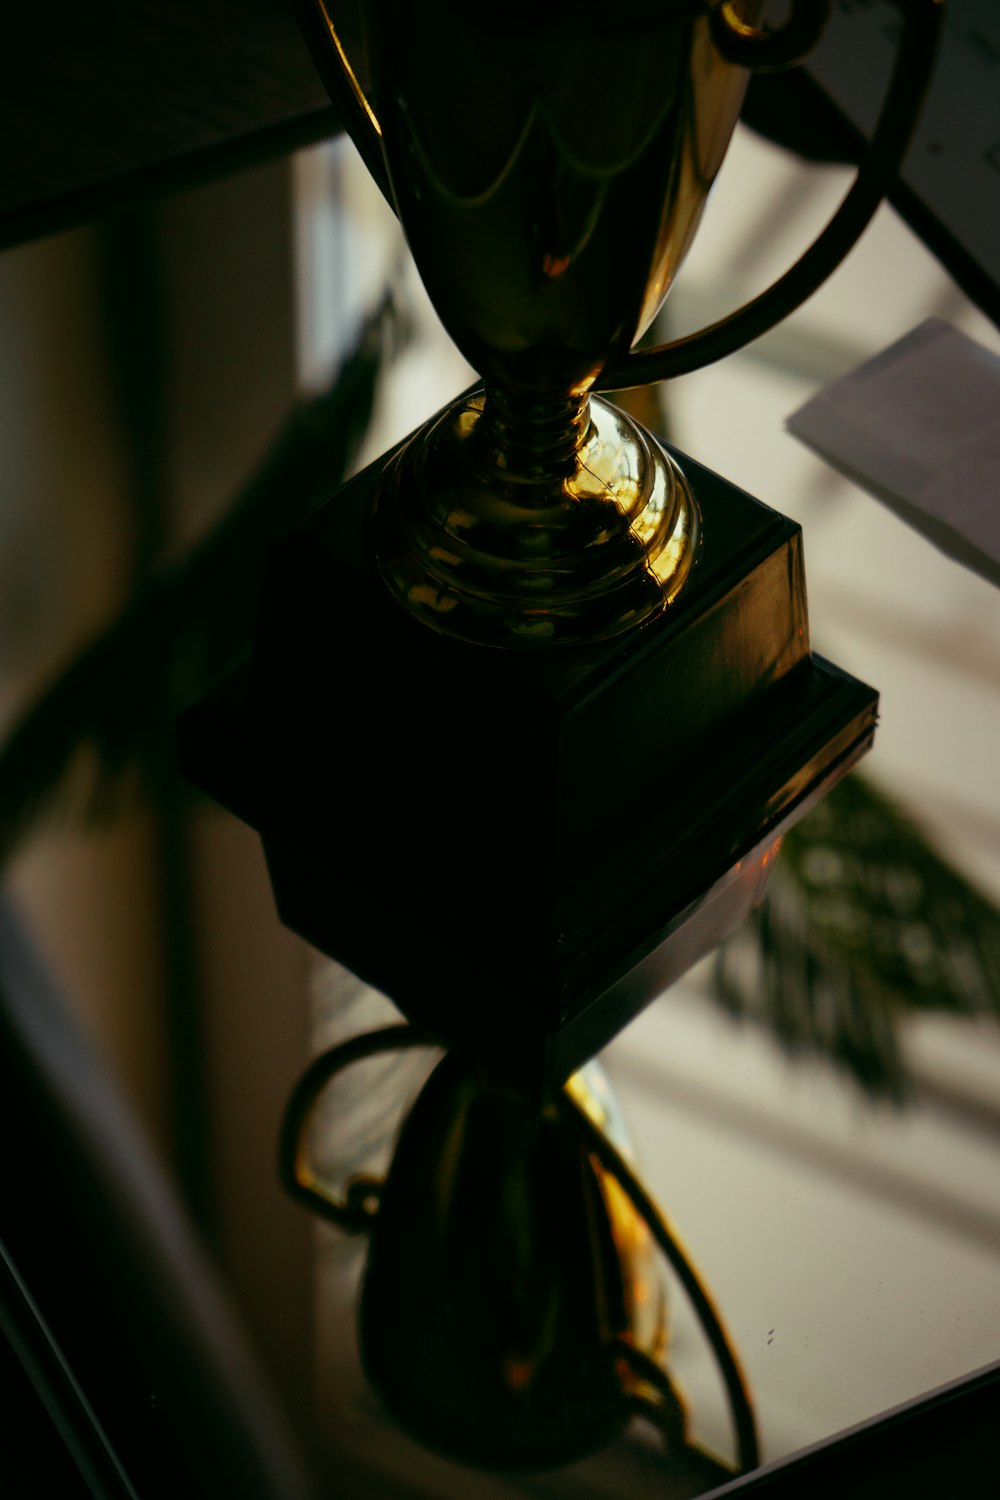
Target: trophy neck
x=516 y=523
x=531 y=438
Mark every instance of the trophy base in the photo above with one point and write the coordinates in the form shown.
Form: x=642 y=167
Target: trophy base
x=488 y=543
x=523 y=849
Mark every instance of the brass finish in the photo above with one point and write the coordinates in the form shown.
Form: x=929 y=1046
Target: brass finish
x=576 y=546
x=547 y=230
x=643 y=1294
x=495 y=1299
x=513 y=1313
x=546 y=220
x=354 y=1205
x=550 y=165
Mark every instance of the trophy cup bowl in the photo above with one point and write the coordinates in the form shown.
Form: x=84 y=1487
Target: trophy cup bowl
x=547 y=229
x=549 y=164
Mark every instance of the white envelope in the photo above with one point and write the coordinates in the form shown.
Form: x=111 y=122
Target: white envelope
x=918 y=426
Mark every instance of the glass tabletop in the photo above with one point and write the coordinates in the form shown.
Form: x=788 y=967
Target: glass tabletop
x=847 y=1221
x=833 y=1172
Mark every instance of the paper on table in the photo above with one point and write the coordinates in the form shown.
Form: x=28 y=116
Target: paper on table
x=919 y=427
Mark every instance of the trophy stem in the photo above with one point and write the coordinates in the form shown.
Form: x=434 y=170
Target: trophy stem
x=538 y=440
x=512 y=522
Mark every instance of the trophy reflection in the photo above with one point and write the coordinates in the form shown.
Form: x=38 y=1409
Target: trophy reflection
x=513 y=1311
x=547 y=225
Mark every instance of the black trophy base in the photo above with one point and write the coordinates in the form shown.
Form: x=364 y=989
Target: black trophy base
x=523 y=848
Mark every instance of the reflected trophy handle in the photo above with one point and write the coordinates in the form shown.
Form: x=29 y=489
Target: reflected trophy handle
x=356 y=1209
x=762 y=50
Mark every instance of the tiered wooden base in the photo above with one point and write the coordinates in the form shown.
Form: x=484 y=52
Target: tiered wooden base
x=523 y=848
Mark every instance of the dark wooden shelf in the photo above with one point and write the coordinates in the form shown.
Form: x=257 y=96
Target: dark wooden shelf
x=119 y=97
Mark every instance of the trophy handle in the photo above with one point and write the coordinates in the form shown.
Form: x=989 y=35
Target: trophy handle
x=356 y=1209
x=663 y=1232
x=766 y=49
x=341 y=82
x=751 y=48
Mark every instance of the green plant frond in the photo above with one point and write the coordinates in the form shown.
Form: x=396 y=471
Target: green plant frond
x=105 y=724
x=863 y=924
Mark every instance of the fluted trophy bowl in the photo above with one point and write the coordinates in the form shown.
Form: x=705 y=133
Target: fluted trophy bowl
x=549 y=176
x=549 y=163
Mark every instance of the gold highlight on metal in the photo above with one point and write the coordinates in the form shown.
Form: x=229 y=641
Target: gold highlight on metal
x=570 y=527
x=549 y=164
x=513 y=1311
x=643 y=1290
x=547 y=224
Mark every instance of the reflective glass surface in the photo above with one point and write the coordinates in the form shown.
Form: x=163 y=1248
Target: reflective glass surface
x=828 y=1151
x=832 y=1163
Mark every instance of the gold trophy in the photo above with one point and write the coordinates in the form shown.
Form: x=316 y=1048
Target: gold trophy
x=549 y=163
x=523 y=822
x=532 y=699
